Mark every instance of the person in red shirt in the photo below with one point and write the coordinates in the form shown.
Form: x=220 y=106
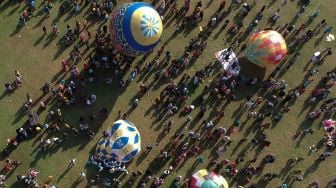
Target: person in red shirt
x=195 y=54
x=222 y=5
x=196 y=150
x=209 y=135
x=175 y=143
x=302 y=90
x=8 y=165
x=160 y=51
x=220 y=115
x=65 y=64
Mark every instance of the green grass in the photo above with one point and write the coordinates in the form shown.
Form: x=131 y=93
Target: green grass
x=38 y=59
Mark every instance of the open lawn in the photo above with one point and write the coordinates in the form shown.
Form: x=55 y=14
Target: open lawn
x=38 y=57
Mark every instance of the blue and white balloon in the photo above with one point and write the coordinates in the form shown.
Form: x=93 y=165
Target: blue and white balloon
x=122 y=144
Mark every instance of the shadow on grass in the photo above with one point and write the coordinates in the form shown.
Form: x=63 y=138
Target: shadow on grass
x=19 y=115
x=5 y=94
x=39 y=23
x=39 y=40
x=17 y=30
x=51 y=37
x=6 y=5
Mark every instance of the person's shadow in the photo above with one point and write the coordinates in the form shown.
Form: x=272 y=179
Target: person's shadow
x=39 y=40
x=17 y=30
x=63 y=174
x=76 y=183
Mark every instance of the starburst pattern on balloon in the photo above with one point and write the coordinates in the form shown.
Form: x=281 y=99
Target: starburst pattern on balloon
x=150 y=25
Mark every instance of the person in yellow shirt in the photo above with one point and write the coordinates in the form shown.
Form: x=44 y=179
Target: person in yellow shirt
x=50 y=179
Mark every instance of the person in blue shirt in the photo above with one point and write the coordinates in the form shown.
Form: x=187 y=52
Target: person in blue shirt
x=328 y=30
x=46 y=10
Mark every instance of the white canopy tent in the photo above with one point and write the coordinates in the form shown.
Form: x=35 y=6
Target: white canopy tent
x=229 y=61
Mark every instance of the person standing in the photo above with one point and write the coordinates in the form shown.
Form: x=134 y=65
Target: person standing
x=189 y=118
x=162 y=7
x=149 y=148
x=81 y=175
x=328 y=30
x=17 y=74
x=283 y=2
x=18 y=80
x=168 y=126
x=200 y=159
x=44 y=30
x=222 y=5
x=89 y=35
x=135 y=103
x=72 y=162
x=84 y=22
x=46 y=10
x=55 y=29
x=50 y=179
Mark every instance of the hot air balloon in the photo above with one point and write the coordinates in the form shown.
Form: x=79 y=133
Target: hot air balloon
x=266 y=48
x=122 y=143
x=136 y=28
x=207 y=179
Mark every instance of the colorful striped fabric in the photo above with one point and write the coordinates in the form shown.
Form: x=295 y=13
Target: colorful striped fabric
x=266 y=48
x=207 y=179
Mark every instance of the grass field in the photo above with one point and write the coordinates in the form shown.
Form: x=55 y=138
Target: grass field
x=38 y=58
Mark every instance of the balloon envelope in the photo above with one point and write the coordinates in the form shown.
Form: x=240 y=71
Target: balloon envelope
x=266 y=48
x=209 y=184
x=122 y=144
x=136 y=28
x=207 y=179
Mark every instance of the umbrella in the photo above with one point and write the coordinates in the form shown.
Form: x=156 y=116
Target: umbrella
x=330 y=37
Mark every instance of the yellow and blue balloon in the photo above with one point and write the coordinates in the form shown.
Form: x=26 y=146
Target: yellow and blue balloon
x=136 y=28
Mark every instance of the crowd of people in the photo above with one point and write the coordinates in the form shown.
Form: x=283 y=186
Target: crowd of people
x=264 y=110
